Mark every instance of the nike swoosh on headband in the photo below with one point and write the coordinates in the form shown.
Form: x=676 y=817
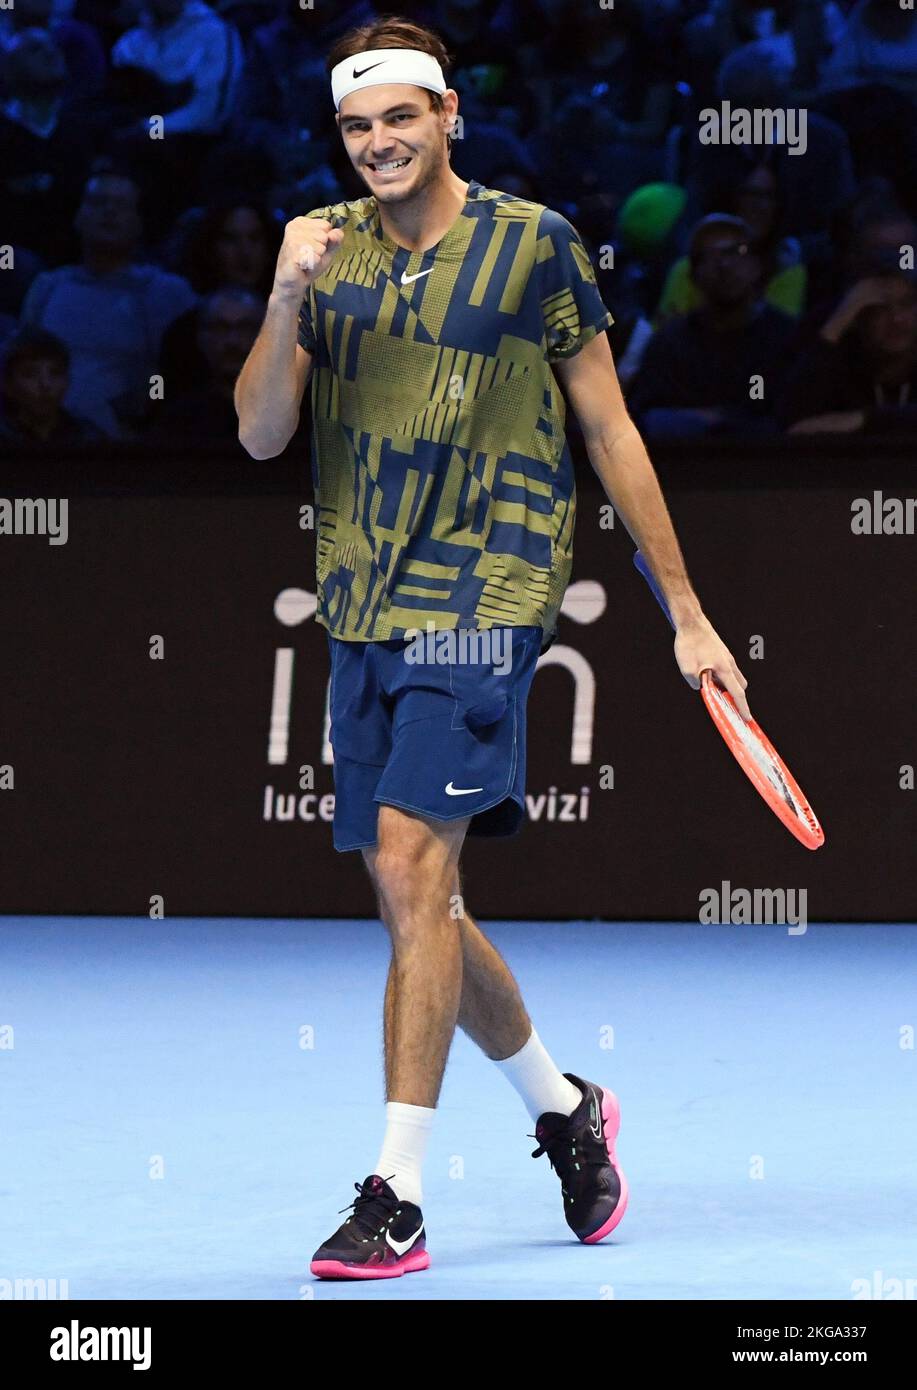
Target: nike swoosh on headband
x=400 y=1246
x=370 y=68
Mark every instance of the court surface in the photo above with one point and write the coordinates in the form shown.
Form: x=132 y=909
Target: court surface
x=170 y=1128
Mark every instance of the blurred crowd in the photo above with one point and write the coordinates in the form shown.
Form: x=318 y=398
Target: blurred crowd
x=757 y=289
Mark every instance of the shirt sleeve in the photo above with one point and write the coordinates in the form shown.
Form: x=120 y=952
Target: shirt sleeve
x=167 y=297
x=215 y=72
x=571 y=305
x=37 y=298
x=306 y=334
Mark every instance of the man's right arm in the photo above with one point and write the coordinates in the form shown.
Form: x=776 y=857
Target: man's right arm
x=270 y=386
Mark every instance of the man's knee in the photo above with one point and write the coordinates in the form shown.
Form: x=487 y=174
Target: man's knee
x=410 y=878
x=413 y=866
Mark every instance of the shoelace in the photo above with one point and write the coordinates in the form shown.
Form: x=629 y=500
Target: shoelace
x=368 y=1208
x=556 y=1145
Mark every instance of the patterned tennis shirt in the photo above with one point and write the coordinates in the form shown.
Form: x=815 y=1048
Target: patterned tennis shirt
x=442 y=473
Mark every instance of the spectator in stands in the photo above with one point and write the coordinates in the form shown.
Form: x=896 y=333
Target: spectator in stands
x=719 y=367
x=483 y=54
x=228 y=324
x=109 y=20
x=563 y=103
x=194 y=61
x=803 y=31
x=648 y=228
x=34 y=376
x=310 y=174
x=878 y=229
x=756 y=200
x=878 y=45
x=861 y=371
x=84 y=55
x=233 y=243
x=612 y=94
x=186 y=41
x=41 y=158
x=517 y=182
x=468 y=31
x=871 y=90
x=485 y=144
x=110 y=310
x=16 y=279
x=811 y=184
x=8 y=326
x=873 y=224
x=286 y=57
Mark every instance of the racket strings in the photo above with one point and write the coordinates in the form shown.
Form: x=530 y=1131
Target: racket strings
x=762 y=758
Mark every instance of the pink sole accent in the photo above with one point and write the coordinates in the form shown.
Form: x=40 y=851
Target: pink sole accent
x=611 y=1114
x=336 y=1269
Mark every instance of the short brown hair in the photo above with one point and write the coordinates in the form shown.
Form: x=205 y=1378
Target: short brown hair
x=392 y=31
x=31 y=344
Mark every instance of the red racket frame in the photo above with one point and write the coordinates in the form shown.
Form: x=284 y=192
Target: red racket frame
x=809 y=834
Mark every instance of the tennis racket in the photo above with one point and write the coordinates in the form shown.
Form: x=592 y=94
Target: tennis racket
x=751 y=748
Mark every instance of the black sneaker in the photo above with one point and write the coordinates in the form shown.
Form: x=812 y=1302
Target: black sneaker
x=581 y=1150
x=381 y=1239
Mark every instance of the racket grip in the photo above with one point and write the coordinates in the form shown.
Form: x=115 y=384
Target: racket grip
x=647 y=573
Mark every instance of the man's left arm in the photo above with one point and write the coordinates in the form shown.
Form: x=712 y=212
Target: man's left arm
x=617 y=453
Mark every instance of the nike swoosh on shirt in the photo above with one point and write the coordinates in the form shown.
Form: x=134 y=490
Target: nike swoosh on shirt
x=401 y=1246
x=409 y=279
x=461 y=791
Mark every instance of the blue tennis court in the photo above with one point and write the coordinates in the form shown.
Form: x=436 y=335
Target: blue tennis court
x=187 y=1104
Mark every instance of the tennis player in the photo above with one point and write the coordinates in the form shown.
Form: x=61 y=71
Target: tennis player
x=439 y=322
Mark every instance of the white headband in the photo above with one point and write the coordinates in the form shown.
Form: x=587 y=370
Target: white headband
x=384 y=65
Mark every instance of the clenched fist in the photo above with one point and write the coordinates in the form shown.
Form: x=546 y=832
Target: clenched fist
x=309 y=245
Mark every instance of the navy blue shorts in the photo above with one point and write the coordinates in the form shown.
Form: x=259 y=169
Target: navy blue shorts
x=444 y=740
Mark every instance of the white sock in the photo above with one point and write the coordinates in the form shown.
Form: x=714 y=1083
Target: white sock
x=407 y=1129
x=538 y=1081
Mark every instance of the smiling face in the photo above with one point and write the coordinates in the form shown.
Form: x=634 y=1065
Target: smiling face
x=395 y=138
